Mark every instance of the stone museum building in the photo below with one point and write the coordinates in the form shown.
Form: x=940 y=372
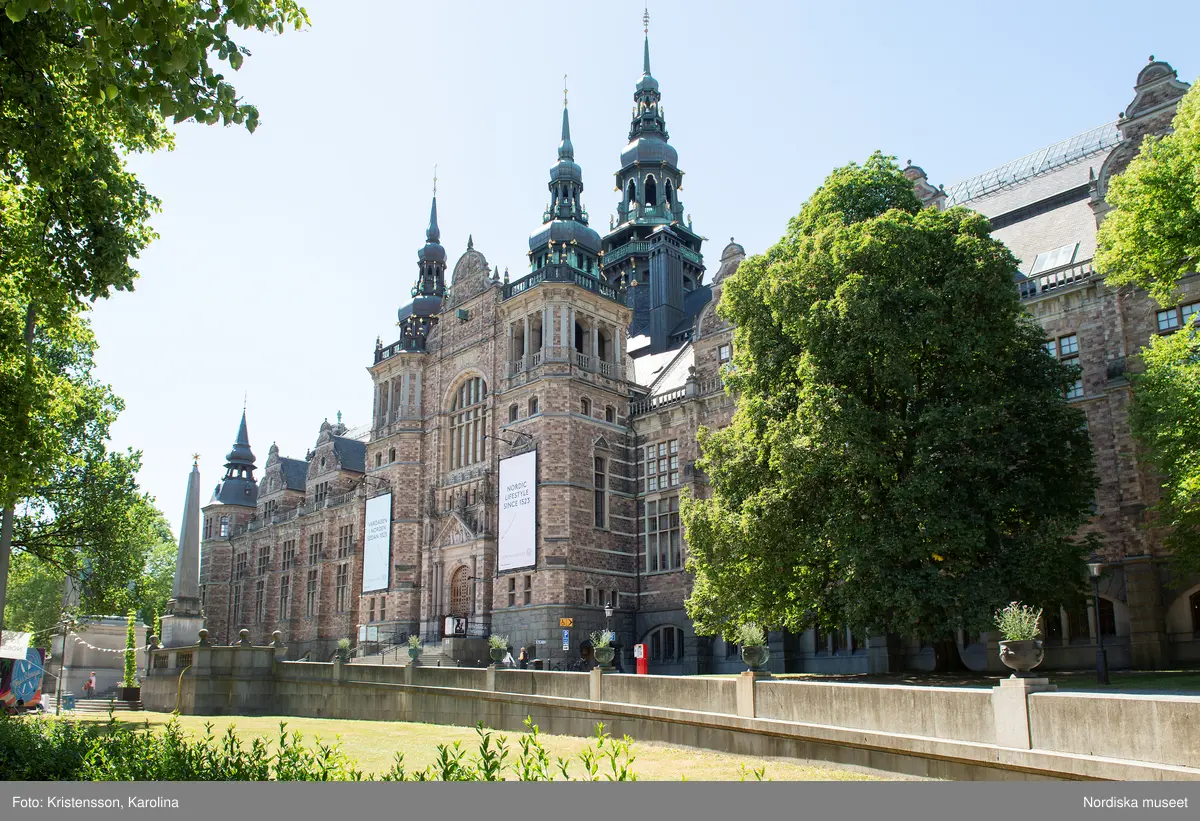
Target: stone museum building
x=603 y=358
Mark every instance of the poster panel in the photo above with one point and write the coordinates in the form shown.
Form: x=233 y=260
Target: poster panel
x=518 y=512
x=377 y=544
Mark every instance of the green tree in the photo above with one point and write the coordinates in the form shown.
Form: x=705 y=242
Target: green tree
x=1152 y=238
x=35 y=598
x=158 y=575
x=84 y=82
x=902 y=458
x=1166 y=421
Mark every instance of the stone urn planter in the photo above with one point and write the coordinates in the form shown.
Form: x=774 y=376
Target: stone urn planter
x=1022 y=656
x=129 y=694
x=414 y=653
x=756 y=657
x=497 y=654
x=604 y=655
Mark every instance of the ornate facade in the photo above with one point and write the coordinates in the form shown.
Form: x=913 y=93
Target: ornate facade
x=605 y=357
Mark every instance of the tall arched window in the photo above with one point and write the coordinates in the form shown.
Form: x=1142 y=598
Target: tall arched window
x=668 y=192
x=651 y=191
x=468 y=423
x=666 y=644
x=631 y=194
x=460 y=593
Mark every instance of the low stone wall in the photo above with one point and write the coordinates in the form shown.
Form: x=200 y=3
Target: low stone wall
x=959 y=713
x=1145 y=728
x=1012 y=732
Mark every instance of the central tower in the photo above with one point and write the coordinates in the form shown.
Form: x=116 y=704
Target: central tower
x=649 y=247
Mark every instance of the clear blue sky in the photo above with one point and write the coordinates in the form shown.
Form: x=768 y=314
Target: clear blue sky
x=283 y=254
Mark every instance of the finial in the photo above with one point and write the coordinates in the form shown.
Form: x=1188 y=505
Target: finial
x=731 y=239
x=245 y=397
x=435 y=180
x=1152 y=58
x=339 y=417
x=564 y=91
x=195 y=459
x=505 y=274
x=470 y=241
x=646 y=22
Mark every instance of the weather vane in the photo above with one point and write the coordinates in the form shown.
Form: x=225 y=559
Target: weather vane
x=564 y=91
x=195 y=458
x=646 y=20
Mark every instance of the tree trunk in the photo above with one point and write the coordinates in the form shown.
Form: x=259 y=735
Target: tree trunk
x=947 y=658
x=6 y=534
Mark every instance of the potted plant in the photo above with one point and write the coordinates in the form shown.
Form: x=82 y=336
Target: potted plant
x=343 y=650
x=414 y=646
x=130 y=689
x=753 y=641
x=1021 y=650
x=602 y=647
x=497 y=647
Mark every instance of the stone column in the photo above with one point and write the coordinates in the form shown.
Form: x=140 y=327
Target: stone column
x=596 y=344
x=524 y=338
x=184 y=618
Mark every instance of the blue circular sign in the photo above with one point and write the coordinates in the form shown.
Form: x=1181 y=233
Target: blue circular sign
x=27 y=675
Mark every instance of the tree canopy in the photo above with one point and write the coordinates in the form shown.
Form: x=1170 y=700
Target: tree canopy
x=902 y=458
x=83 y=83
x=1152 y=237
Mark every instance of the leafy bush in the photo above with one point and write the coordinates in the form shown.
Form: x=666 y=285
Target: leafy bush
x=601 y=638
x=750 y=635
x=56 y=749
x=414 y=642
x=498 y=642
x=1018 y=622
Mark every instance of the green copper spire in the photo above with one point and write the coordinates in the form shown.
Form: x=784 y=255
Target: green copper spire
x=646 y=58
x=566 y=151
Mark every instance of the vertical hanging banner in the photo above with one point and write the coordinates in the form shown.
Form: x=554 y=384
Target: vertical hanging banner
x=518 y=512
x=377 y=544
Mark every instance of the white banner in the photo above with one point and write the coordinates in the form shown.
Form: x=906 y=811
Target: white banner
x=518 y=512
x=13 y=645
x=377 y=544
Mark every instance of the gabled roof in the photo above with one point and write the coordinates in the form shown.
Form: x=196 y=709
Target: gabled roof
x=351 y=453
x=294 y=472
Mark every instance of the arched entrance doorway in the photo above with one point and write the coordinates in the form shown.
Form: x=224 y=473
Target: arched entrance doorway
x=460 y=593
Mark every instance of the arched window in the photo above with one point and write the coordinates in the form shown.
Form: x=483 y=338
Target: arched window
x=533 y=406
x=379 y=459
x=460 y=593
x=513 y=410
x=1194 y=601
x=580 y=336
x=665 y=645
x=631 y=194
x=468 y=418
x=585 y=406
x=669 y=193
x=610 y=414
x=651 y=190
x=391 y=455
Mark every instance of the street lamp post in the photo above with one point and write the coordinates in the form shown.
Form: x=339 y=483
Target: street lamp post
x=1095 y=566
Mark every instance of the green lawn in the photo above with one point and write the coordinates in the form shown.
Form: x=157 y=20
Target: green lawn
x=373 y=744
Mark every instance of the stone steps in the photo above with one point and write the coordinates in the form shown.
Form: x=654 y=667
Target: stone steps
x=97 y=705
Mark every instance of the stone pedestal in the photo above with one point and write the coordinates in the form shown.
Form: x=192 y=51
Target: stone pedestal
x=182 y=623
x=1010 y=708
x=745 y=692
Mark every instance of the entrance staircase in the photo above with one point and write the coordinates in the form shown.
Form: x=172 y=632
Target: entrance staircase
x=430 y=657
x=94 y=706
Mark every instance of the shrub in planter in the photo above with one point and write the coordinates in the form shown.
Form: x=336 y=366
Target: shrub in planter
x=602 y=647
x=753 y=641
x=414 y=646
x=497 y=647
x=1021 y=650
x=343 y=650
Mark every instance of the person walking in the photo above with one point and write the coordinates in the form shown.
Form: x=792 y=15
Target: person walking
x=89 y=686
x=523 y=659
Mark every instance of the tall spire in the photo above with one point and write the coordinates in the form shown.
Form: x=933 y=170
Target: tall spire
x=566 y=151
x=646 y=29
x=187 y=559
x=432 y=234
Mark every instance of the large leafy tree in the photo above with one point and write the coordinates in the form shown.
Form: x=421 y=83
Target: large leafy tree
x=82 y=82
x=1152 y=238
x=1166 y=421
x=902 y=458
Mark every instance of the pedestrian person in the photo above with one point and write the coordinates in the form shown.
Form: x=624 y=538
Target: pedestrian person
x=523 y=659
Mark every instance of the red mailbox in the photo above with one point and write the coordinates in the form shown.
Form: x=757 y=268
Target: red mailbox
x=639 y=655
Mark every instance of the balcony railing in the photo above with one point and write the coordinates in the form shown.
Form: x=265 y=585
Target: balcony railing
x=515 y=368
x=560 y=272
x=1056 y=278
x=658 y=401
